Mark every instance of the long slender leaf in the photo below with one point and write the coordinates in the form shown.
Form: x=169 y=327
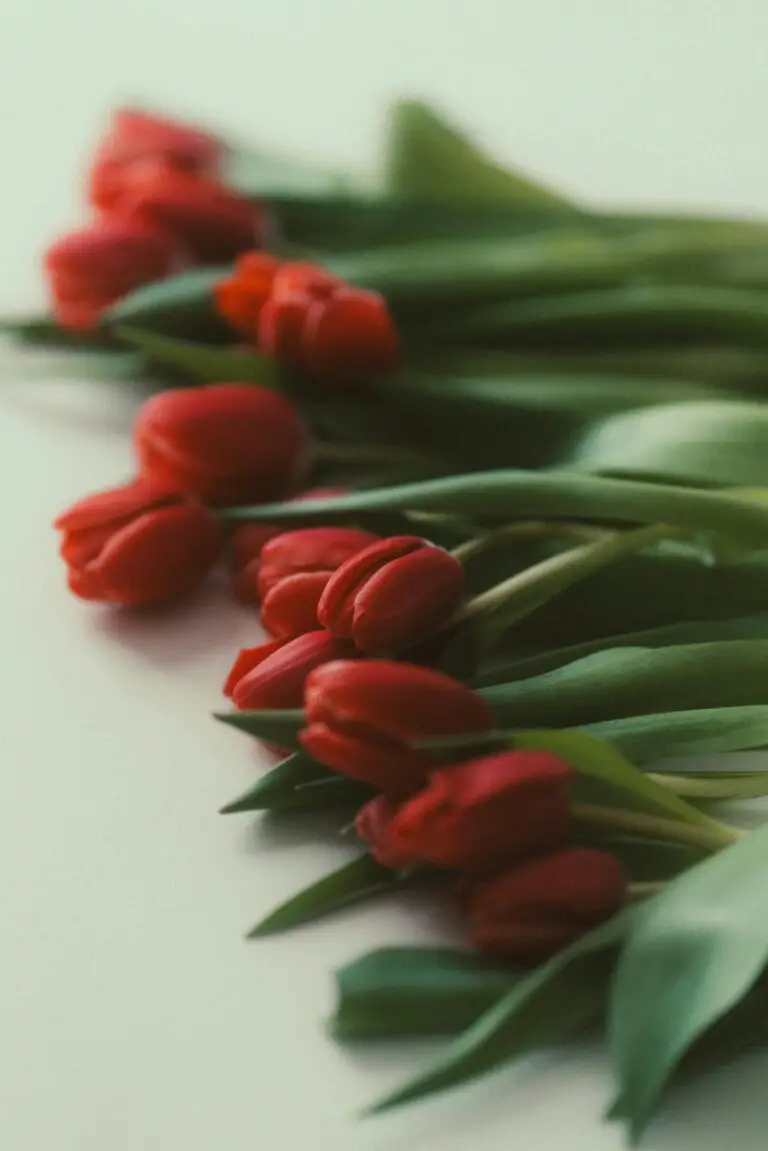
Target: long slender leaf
x=623 y=682
x=281 y=786
x=210 y=363
x=361 y=879
x=692 y=954
x=406 y=991
x=699 y=631
x=507 y=494
x=546 y=1007
x=180 y=305
x=281 y=727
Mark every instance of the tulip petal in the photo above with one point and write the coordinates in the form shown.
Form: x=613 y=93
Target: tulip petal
x=289 y=609
x=408 y=600
x=396 y=771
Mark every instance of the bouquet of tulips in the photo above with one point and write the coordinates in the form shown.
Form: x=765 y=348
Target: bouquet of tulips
x=493 y=468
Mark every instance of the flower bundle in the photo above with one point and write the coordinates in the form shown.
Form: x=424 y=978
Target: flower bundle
x=492 y=468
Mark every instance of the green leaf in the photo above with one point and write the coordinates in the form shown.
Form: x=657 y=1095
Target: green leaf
x=282 y=786
x=698 y=631
x=428 y=159
x=361 y=879
x=628 y=681
x=211 y=364
x=281 y=727
x=692 y=954
x=666 y=735
x=507 y=494
x=544 y=1008
x=617 y=780
x=409 y=991
x=44 y=332
x=714 y=443
x=654 y=313
x=181 y=305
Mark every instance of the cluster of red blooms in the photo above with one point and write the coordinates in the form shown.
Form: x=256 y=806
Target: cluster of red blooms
x=500 y=823
x=309 y=319
x=160 y=205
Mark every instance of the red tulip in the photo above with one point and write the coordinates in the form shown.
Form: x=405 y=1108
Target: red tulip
x=349 y=337
x=372 y=823
x=363 y=717
x=137 y=544
x=241 y=296
x=135 y=135
x=213 y=222
x=228 y=443
x=91 y=268
x=309 y=550
x=393 y=594
x=480 y=816
x=539 y=907
x=272 y=676
x=248 y=542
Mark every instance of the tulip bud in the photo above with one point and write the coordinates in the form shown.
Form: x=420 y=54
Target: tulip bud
x=213 y=222
x=534 y=910
x=393 y=594
x=91 y=268
x=137 y=544
x=272 y=675
x=135 y=135
x=241 y=296
x=480 y=816
x=363 y=718
x=350 y=337
x=372 y=824
x=228 y=443
x=248 y=543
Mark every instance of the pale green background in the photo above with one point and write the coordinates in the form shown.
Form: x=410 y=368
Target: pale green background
x=131 y=1014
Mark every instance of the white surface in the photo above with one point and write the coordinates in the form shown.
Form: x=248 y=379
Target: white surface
x=132 y=1015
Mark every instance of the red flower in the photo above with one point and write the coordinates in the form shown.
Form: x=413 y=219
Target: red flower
x=91 y=268
x=136 y=135
x=248 y=542
x=480 y=816
x=310 y=319
x=212 y=221
x=228 y=443
x=241 y=296
x=137 y=544
x=272 y=676
x=537 y=908
x=350 y=337
x=393 y=594
x=372 y=823
x=363 y=717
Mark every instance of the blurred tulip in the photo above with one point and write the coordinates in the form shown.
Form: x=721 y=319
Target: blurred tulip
x=227 y=443
x=137 y=544
x=93 y=267
x=272 y=675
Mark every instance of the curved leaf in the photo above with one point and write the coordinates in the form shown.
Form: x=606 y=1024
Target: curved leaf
x=362 y=878
x=624 y=682
x=509 y=493
x=713 y=444
x=209 y=363
x=672 y=734
x=408 y=991
x=180 y=305
x=545 y=1007
x=280 y=787
x=698 y=631
x=692 y=954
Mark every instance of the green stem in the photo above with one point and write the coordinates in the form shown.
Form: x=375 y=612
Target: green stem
x=645 y=890
x=523 y=592
x=740 y=787
x=527 y=530
x=712 y=837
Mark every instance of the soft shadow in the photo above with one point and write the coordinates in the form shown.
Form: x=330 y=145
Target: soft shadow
x=289 y=829
x=171 y=636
